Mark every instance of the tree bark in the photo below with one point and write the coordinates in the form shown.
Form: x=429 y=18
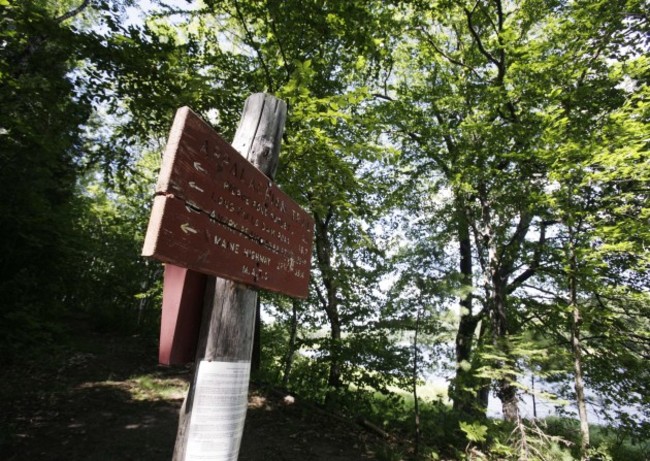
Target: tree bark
x=74 y=12
x=334 y=378
x=334 y=382
x=579 y=384
x=228 y=324
x=576 y=347
x=416 y=401
x=483 y=393
x=464 y=387
x=291 y=347
x=507 y=391
x=463 y=391
x=329 y=301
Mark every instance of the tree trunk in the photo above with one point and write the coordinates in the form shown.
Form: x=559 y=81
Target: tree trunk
x=509 y=402
x=329 y=301
x=464 y=386
x=483 y=393
x=579 y=384
x=416 y=402
x=334 y=378
x=334 y=382
x=291 y=347
x=507 y=391
x=576 y=347
x=532 y=388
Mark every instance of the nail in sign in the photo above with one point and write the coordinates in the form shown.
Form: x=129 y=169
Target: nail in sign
x=215 y=213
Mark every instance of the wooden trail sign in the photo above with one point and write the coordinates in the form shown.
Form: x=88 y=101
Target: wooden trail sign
x=215 y=213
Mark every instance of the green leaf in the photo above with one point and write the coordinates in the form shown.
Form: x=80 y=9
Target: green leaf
x=475 y=432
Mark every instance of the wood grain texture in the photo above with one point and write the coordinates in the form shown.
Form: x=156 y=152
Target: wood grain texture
x=228 y=323
x=215 y=212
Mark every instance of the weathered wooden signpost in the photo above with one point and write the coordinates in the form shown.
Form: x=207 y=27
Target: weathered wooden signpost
x=217 y=212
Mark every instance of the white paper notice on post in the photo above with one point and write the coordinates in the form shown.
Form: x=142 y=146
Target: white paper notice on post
x=218 y=411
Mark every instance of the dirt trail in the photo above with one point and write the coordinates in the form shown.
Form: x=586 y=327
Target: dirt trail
x=106 y=399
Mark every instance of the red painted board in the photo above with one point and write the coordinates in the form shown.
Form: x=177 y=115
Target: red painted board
x=216 y=213
x=182 y=306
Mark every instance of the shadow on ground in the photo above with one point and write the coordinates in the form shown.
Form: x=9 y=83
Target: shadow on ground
x=280 y=428
x=101 y=424
x=79 y=403
x=106 y=399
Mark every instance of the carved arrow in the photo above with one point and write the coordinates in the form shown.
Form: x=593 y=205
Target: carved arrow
x=194 y=186
x=198 y=167
x=187 y=229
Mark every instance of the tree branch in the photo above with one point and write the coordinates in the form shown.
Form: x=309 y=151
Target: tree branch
x=321 y=298
x=418 y=139
x=515 y=241
x=431 y=43
x=286 y=66
x=255 y=46
x=478 y=40
x=534 y=265
x=385 y=97
x=72 y=13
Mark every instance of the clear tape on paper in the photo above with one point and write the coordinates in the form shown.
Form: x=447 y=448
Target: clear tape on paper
x=218 y=412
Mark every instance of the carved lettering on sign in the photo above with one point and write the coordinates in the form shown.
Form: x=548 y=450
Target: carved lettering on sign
x=216 y=213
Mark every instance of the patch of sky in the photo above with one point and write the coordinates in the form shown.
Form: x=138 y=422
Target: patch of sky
x=136 y=14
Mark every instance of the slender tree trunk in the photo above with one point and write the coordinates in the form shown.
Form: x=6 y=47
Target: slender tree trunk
x=579 y=384
x=291 y=347
x=334 y=382
x=576 y=347
x=532 y=387
x=416 y=402
x=334 y=378
x=74 y=12
x=483 y=393
x=498 y=269
x=329 y=301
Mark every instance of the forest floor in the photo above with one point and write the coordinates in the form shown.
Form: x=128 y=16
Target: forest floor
x=105 y=398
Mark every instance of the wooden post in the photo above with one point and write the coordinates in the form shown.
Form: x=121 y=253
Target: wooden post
x=228 y=322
